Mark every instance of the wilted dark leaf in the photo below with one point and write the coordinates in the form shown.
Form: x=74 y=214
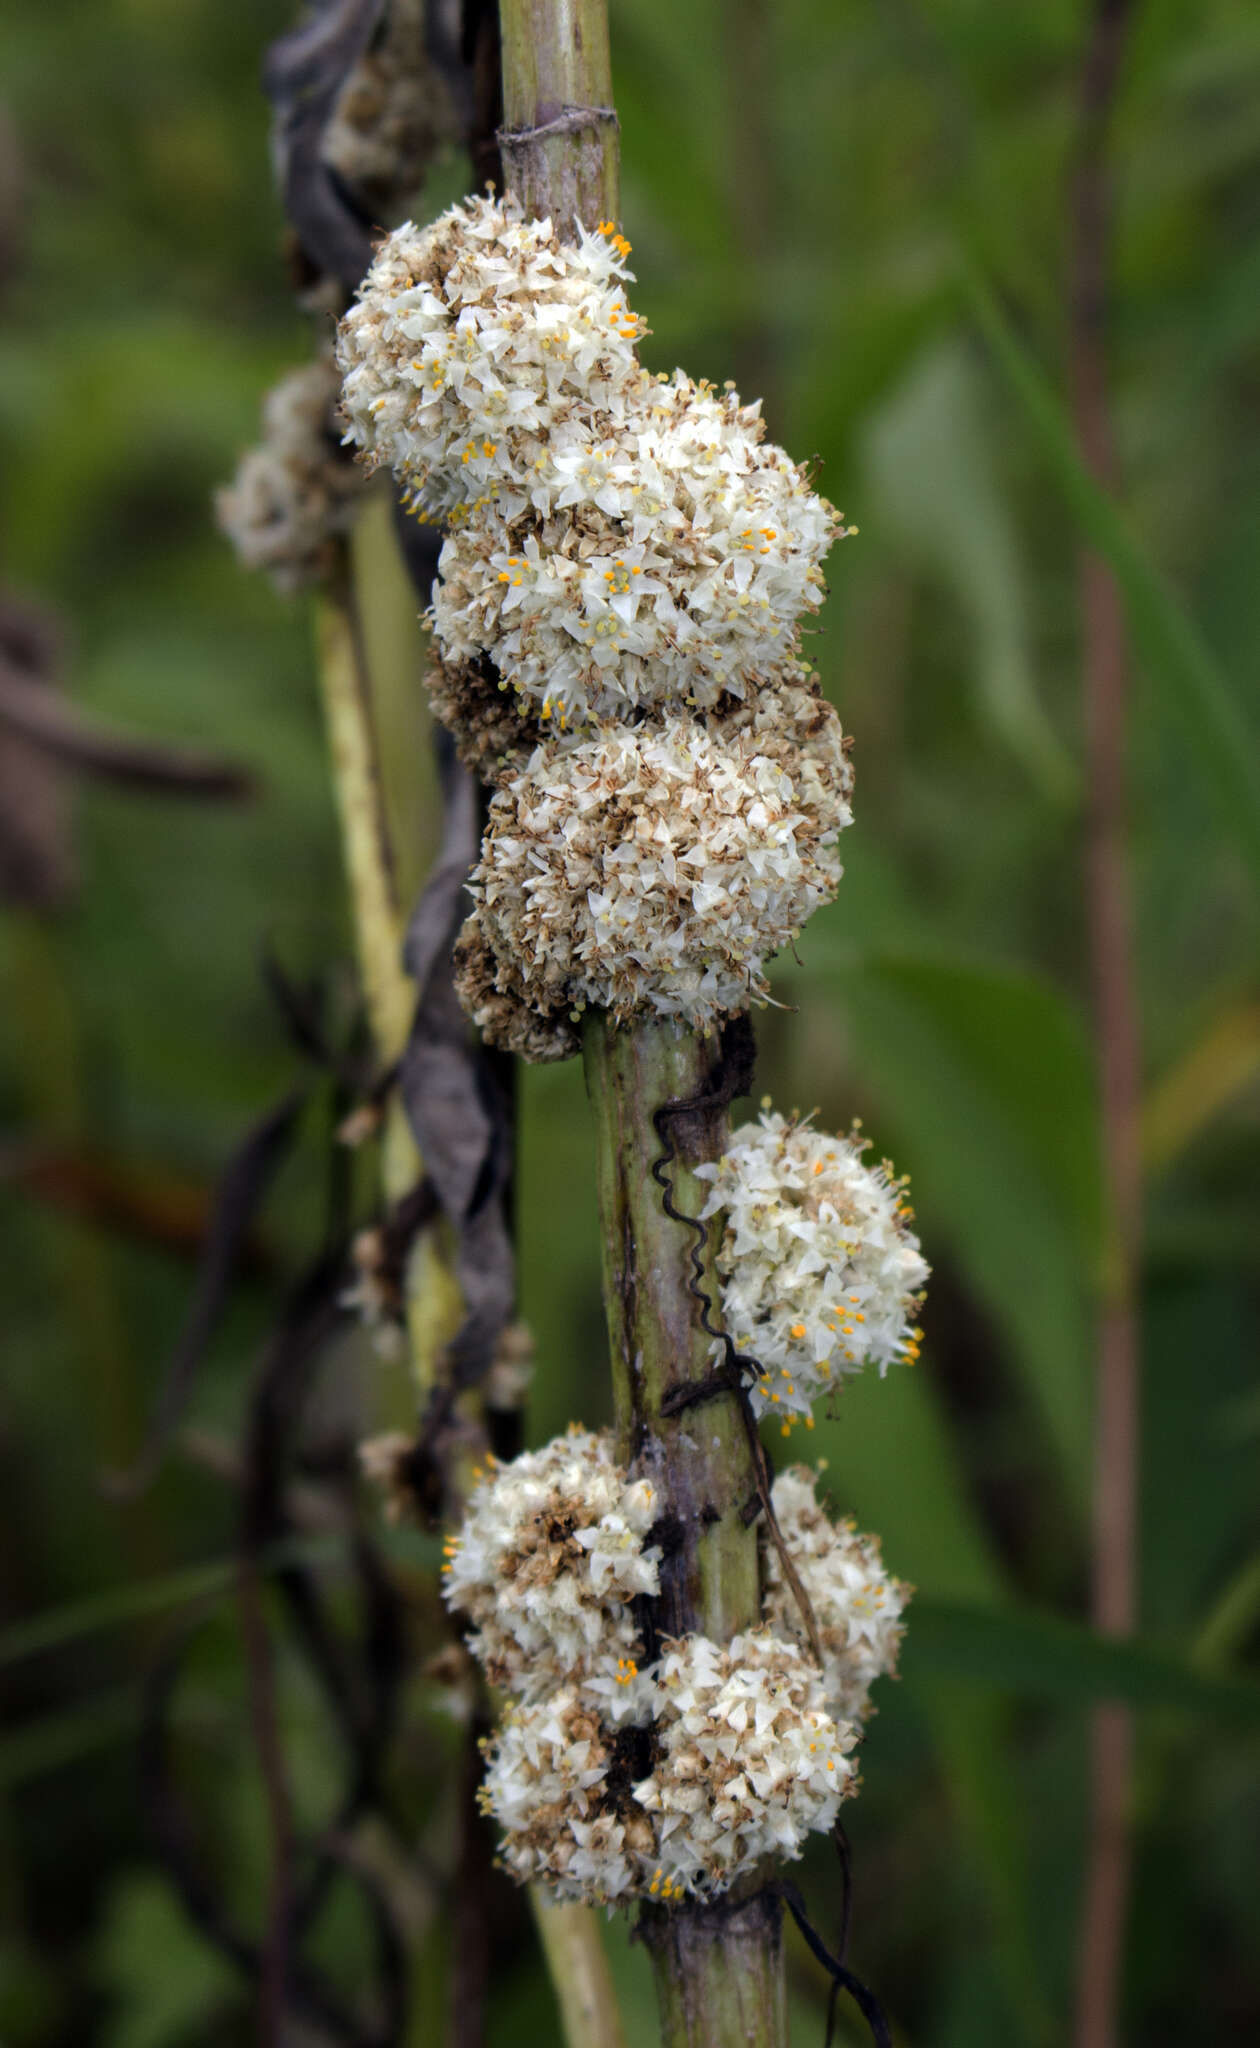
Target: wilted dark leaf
x=453 y=1099
x=303 y=75
x=240 y=1191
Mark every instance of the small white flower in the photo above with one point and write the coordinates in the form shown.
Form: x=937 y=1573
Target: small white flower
x=821 y=1272
x=857 y=1604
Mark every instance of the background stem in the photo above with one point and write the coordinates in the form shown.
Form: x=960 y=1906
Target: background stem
x=579 y=1973
x=433 y=1303
x=366 y=850
x=1110 y=912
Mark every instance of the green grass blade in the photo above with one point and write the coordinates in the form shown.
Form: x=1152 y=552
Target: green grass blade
x=984 y=1088
x=61 y=1626
x=1171 y=644
x=55 y=1740
x=1043 y=1655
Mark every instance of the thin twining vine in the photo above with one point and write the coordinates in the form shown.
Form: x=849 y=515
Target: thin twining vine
x=842 y=1978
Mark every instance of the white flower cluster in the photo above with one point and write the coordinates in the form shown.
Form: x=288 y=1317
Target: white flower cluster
x=295 y=493
x=609 y=1781
x=557 y=1784
x=476 y=341
x=659 y=866
x=549 y=1556
x=749 y=1760
x=663 y=565
x=495 y=733
x=745 y=1762
x=504 y=1005
x=821 y=1272
x=627 y=566
x=857 y=1604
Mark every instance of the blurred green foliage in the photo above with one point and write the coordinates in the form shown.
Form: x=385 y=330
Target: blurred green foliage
x=809 y=189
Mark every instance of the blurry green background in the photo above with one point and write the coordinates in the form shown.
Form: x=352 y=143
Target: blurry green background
x=805 y=186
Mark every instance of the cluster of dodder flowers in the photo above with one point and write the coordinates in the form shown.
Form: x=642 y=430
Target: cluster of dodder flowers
x=294 y=494
x=821 y=1272
x=611 y=1779
x=627 y=565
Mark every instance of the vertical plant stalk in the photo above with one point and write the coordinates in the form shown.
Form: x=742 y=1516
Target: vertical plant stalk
x=433 y=1306
x=579 y=1973
x=559 y=136
x=347 y=693
x=1111 y=937
x=719 y=1970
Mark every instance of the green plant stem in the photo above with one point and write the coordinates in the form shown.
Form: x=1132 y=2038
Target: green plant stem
x=557 y=70
x=346 y=687
x=557 y=78
x=351 y=709
x=700 y=1456
x=718 y=1968
x=1117 y=1032
x=578 y=1969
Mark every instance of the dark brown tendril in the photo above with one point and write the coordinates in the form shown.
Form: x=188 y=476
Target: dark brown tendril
x=842 y=1978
